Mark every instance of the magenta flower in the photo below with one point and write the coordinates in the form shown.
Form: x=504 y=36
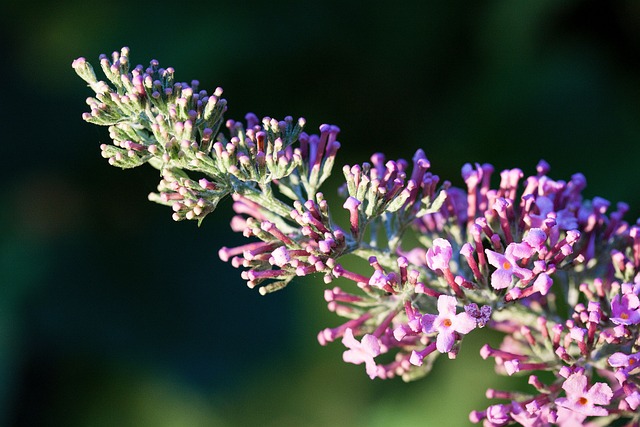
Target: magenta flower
x=535 y=238
x=439 y=255
x=447 y=323
x=360 y=352
x=633 y=400
x=498 y=415
x=624 y=311
x=352 y=204
x=584 y=401
x=624 y=365
x=506 y=264
x=543 y=284
x=537 y=417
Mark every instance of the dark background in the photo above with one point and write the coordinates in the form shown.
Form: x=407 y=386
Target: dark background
x=112 y=314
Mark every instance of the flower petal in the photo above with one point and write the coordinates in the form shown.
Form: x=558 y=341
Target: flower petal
x=444 y=342
x=496 y=259
x=447 y=305
x=575 y=384
x=464 y=323
x=348 y=340
x=371 y=345
x=518 y=250
x=428 y=321
x=501 y=279
x=600 y=394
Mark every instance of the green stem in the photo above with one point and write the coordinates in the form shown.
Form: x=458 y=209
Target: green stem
x=385 y=259
x=266 y=199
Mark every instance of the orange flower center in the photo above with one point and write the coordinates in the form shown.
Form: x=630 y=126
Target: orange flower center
x=583 y=401
x=506 y=265
x=447 y=323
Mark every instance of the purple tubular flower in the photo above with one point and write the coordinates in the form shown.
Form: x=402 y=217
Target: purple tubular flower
x=506 y=264
x=417 y=357
x=351 y=204
x=624 y=310
x=535 y=238
x=543 y=284
x=535 y=418
x=280 y=256
x=447 y=323
x=361 y=352
x=439 y=255
x=498 y=415
x=624 y=365
x=584 y=401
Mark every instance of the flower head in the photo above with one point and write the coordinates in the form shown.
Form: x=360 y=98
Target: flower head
x=447 y=323
x=584 y=401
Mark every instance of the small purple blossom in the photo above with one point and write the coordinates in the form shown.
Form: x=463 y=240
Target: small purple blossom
x=507 y=265
x=543 y=284
x=361 y=351
x=447 y=323
x=537 y=417
x=439 y=254
x=583 y=401
x=352 y=204
x=624 y=309
x=498 y=415
x=535 y=238
x=280 y=256
x=624 y=365
x=482 y=315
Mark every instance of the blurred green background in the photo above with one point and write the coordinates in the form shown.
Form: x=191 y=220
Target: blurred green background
x=111 y=314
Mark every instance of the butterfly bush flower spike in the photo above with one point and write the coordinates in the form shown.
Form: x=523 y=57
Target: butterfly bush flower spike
x=555 y=273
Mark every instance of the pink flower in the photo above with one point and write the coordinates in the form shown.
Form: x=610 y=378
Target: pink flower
x=624 y=311
x=360 y=352
x=624 y=365
x=439 y=255
x=447 y=323
x=633 y=400
x=584 y=401
x=535 y=238
x=537 y=417
x=498 y=415
x=506 y=264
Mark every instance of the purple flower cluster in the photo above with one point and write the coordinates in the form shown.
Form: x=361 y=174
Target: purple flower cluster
x=558 y=275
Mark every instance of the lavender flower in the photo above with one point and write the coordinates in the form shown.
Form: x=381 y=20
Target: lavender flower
x=507 y=264
x=582 y=400
x=361 y=352
x=447 y=323
x=439 y=255
x=625 y=309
